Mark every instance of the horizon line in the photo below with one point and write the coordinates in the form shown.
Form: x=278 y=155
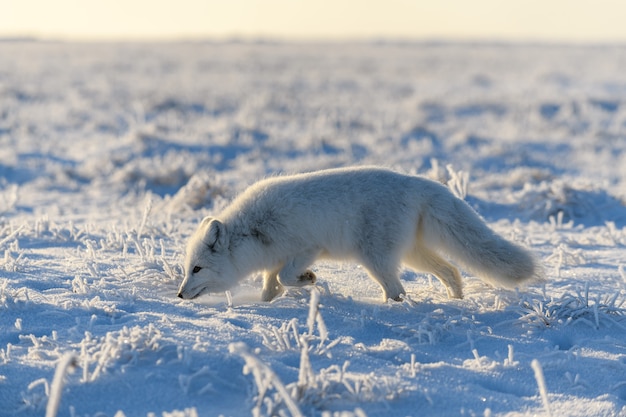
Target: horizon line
x=313 y=39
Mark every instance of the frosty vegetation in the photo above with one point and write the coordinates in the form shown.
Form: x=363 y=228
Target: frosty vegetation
x=111 y=154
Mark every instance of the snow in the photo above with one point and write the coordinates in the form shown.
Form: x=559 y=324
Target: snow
x=111 y=154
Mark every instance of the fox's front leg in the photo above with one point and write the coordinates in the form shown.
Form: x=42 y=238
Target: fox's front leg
x=294 y=272
x=271 y=286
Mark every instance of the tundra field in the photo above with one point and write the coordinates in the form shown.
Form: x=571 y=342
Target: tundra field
x=111 y=154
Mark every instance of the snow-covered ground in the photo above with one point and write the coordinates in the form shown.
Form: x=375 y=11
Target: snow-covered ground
x=111 y=154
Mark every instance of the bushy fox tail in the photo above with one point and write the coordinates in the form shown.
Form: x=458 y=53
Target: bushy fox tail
x=458 y=231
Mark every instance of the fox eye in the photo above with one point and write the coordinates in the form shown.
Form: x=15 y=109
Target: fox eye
x=196 y=269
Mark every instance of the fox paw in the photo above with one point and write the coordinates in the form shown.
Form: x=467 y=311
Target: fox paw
x=308 y=277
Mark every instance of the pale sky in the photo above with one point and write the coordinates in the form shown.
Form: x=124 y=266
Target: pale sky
x=552 y=20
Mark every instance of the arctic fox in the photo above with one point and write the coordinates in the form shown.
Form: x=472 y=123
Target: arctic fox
x=378 y=217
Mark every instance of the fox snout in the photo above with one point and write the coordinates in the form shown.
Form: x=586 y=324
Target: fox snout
x=183 y=290
x=185 y=295
x=191 y=287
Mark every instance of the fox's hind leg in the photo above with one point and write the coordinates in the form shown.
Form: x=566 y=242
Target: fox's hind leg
x=426 y=260
x=389 y=282
x=385 y=273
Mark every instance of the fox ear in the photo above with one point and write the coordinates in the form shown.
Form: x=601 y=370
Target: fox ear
x=216 y=237
x=205 y=222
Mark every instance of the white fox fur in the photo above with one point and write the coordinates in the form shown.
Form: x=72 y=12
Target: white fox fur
x=378 y=217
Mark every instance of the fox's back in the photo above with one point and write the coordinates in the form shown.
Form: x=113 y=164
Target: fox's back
x=343 y=189
x=337 y=208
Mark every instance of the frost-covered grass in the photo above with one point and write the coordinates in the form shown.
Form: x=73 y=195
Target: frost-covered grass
x=111 y=154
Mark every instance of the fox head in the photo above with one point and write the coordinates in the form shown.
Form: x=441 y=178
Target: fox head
x=208 y=265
